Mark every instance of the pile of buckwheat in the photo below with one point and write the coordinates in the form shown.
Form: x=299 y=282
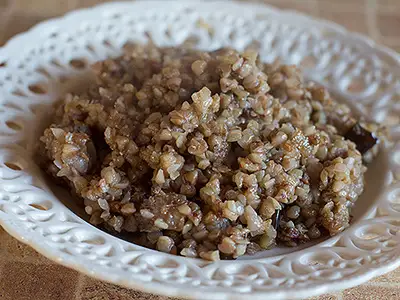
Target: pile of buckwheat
x=208 y=154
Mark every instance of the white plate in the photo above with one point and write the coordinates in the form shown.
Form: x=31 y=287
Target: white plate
x=351 y=66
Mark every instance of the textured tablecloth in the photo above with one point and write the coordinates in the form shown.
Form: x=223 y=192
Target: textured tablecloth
x=25 y=274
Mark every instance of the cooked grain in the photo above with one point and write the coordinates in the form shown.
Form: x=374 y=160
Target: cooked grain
x=207 y=154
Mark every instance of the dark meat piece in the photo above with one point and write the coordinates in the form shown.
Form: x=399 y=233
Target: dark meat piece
x=363 y=139
x=293 y=236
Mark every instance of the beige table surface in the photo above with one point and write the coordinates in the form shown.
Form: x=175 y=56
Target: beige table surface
x=25 y=274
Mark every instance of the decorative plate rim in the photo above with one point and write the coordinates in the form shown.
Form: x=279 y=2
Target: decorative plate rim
x=14 y=227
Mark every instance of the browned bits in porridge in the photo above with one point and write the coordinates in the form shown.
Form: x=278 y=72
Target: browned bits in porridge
x=207 y=154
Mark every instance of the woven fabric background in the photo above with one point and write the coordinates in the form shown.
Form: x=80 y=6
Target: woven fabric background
x=25 y=274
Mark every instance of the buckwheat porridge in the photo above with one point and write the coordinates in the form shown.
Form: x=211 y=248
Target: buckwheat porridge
x=208 y=154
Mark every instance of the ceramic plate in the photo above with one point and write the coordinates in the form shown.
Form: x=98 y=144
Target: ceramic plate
x=40 y=66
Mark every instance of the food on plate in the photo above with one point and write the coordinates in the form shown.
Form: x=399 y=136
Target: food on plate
x=208 y=154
